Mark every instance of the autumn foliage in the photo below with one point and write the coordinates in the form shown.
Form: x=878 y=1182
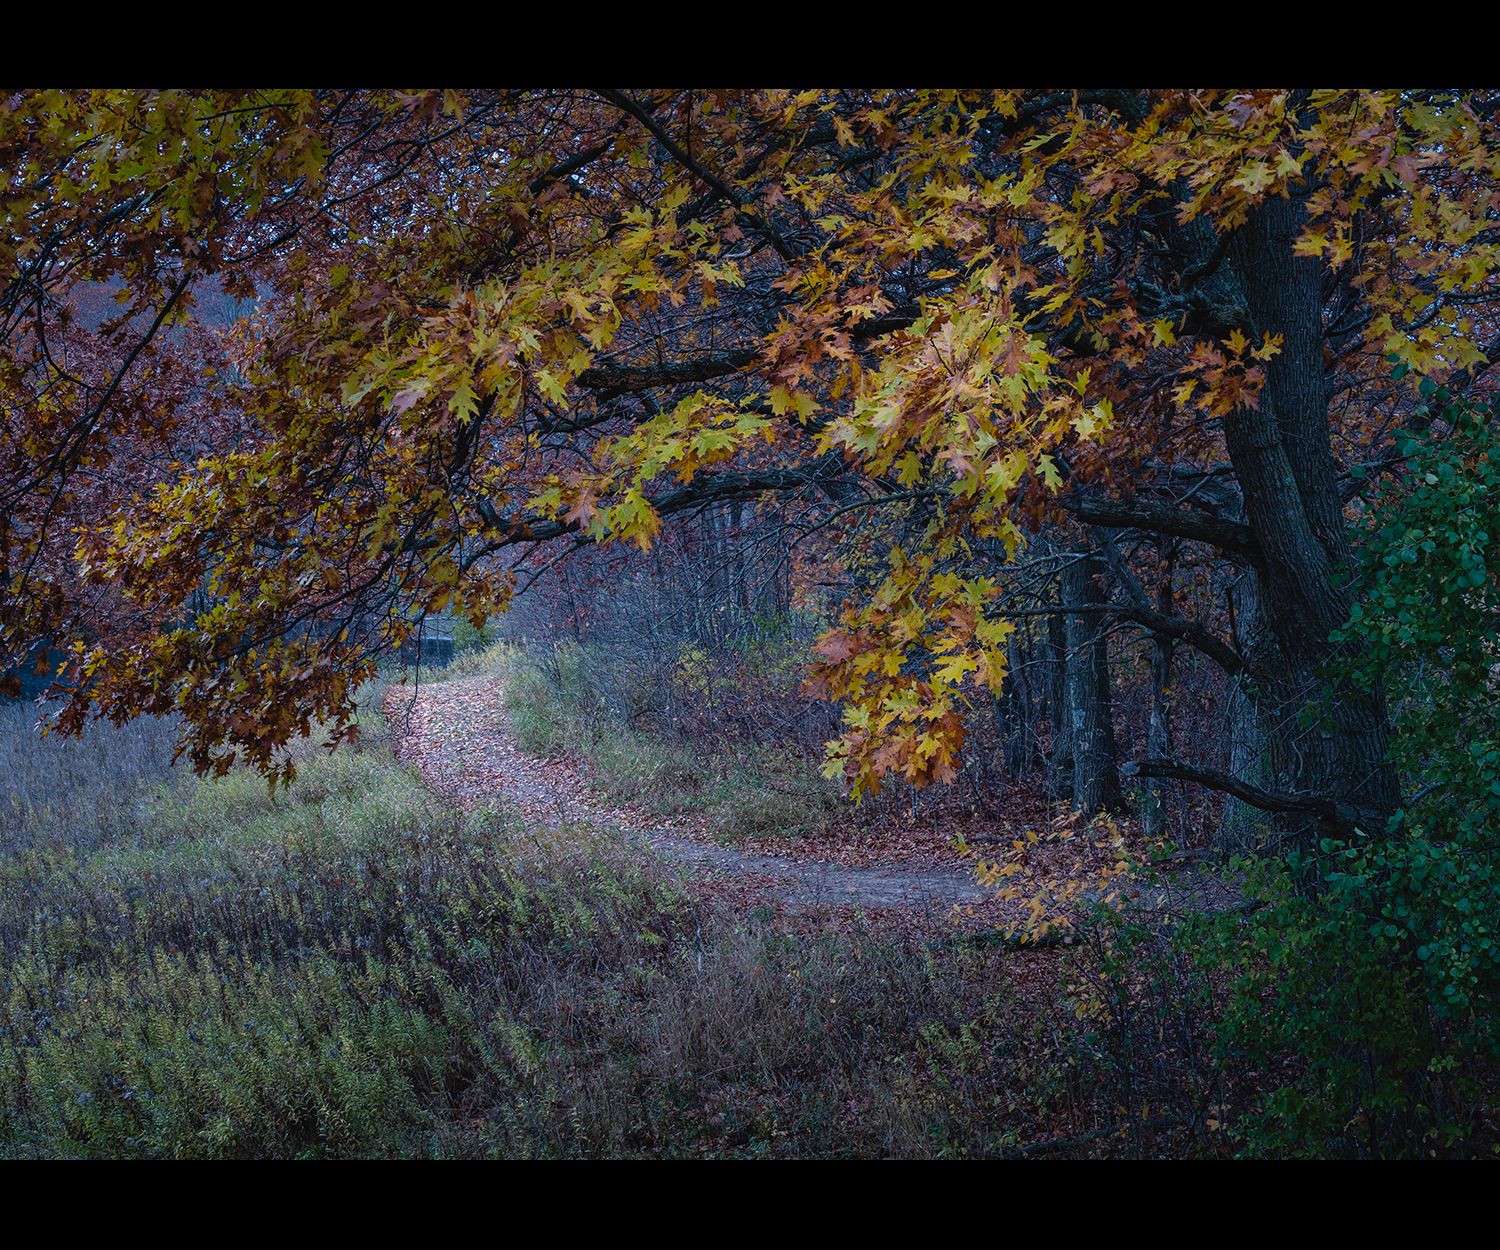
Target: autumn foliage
x=476 y=322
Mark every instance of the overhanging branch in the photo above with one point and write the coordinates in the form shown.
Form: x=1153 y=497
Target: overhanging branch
x=1228 y=536
x=614 y=379
x=1342 y=815
x=705 y=488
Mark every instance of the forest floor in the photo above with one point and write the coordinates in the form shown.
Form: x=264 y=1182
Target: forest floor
x=457 y=733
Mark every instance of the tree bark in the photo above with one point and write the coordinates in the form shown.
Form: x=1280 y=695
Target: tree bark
x=1017 y=713
x=1243 y=828
x=1096 y=772
x=1060 y=767
x=1159 y=727
x=1325 y=738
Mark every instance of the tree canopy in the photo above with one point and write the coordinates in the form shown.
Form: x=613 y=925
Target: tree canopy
x=285 y=370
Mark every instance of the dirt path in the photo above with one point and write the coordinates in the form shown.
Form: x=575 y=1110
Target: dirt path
x=458 y=735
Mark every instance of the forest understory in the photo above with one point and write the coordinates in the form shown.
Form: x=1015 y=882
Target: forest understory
x=361 y=968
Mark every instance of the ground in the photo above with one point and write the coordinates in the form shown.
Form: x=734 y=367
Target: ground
x=458 y=735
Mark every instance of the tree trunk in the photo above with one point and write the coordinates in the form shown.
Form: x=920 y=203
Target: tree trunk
x=1016 y=713
x=1324 y=737
x=1060 y=767
x=1159 y=728
x=1243 y=828
x=1096 y=773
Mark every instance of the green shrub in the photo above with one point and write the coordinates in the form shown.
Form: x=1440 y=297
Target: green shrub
x=467 y=638
x=1328 y=999
x=1371 y=978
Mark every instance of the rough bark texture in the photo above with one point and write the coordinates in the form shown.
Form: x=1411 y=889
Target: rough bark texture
x=1284 y=462
x=1096 y=773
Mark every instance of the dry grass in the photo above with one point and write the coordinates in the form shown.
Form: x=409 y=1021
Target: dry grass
x=559 y=707
x=200 y=968
x=354 y=969
x=86 y=792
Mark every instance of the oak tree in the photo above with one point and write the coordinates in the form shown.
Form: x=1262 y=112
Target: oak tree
x=486 y=321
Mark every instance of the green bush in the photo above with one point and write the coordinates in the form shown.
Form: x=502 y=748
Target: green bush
x=1371 y=978
x=467 y=638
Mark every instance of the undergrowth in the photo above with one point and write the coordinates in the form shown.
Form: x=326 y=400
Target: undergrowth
x=352 y=968
x=749 y=790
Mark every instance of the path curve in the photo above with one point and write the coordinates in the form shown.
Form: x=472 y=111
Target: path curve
x=458 y=735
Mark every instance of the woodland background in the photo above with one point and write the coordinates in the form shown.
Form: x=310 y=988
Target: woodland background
x=1091 y=491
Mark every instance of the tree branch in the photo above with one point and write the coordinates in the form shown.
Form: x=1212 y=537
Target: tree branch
x=1228 y=536
x=1347 y=816
x=615 y=379
x=705 y=488
x=621 y=100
